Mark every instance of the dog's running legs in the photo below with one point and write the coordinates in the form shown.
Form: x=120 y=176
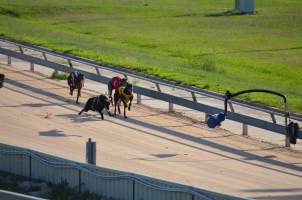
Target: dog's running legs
x=115 y=108
x=109 y=113
x=125 y=106
x=79 y=94
x=101 y=115
x=71 y=90
x=82 y=111
x=118 y=106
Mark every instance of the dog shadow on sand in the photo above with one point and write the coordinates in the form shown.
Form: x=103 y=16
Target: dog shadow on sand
x=85 y=117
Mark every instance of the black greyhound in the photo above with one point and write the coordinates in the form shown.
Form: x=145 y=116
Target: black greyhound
x=98 y=104
x=123 y=94
x=75 y=81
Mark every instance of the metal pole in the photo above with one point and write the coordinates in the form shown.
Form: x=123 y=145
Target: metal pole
x=158 y=87
x=138 y=99
x=287 y=142
x=170 y=107
x=244 y=129
x=98 y=71
x=9 y=60
x=32 y=68
x=80 y=181
x=206 y=115
x=133 y=189
x=29 y=165
x=44 y=55
x=273 y=118
x=21 y=50
x=70 y=63
x=231 y=106
x=194 y=97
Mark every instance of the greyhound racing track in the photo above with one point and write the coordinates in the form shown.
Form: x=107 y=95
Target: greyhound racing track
x=38 y=113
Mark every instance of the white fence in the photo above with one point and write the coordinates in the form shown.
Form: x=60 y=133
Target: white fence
x=84 y=177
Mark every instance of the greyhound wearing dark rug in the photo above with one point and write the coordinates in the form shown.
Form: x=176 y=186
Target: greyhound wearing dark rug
x=123 y=94
x=98 y=104
x=75 y=81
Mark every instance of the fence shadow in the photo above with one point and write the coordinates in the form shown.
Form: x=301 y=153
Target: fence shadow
x=56 y=133
x=247 y=156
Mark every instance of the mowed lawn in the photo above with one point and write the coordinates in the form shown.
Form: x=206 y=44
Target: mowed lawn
x=195 y=42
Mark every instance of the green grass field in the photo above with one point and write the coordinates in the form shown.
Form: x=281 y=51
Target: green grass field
x=194 y=42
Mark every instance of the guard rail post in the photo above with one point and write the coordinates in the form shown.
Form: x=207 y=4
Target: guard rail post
x=231 y=107
x=206 y=115
x=287 y=142
x=32 y=68
x=158 y=87
x=9 y=60
x=244 y=129
x=98 y=71
x=273 y=118
x=170 y=107
x=70 y=63
x=138 y=98
x=44 y=55
x=21 y=50
x=193 y=96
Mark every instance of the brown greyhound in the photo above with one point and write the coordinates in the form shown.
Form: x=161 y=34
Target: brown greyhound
x=123 y=94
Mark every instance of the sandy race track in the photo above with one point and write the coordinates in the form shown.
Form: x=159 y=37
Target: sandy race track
x=38 y=113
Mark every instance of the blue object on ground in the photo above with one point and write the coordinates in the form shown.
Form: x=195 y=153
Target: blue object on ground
x=215 y=120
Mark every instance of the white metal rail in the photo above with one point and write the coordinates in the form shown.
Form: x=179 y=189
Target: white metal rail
x=192 y=104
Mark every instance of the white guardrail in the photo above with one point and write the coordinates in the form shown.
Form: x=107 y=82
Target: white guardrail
x=106 y=182
x=273 y=126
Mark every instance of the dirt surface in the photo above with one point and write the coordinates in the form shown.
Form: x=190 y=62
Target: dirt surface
x=38 y=113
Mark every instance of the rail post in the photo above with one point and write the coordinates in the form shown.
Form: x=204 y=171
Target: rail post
x=44 y=55
x=231 y=106
x=98 y=71
x=206 y=115
x=138 y=98
x=273 y=118
x=157 y=87
x=9 y=60
x=170 y=107
x=70 y=63
x=32 y=67
x=244 y=129
x=194 y=96
x=287 y=143
x=21 y=50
